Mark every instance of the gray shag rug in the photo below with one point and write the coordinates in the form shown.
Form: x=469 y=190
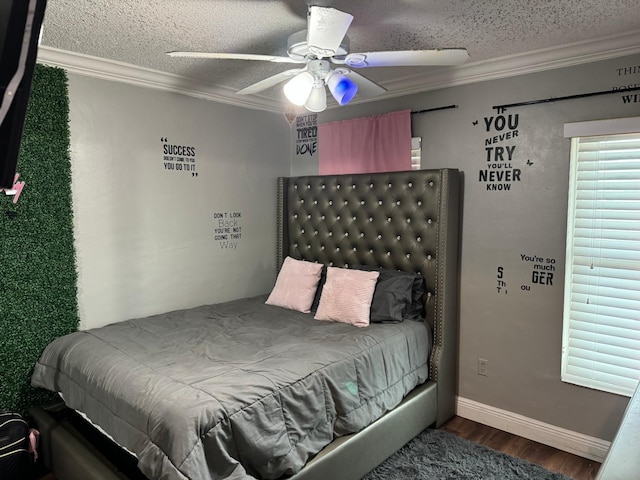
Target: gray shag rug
x=441 y=455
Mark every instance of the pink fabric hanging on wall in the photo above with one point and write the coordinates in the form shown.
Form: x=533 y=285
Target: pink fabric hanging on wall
x=381 y=143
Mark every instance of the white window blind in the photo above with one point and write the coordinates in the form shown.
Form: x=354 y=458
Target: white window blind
x=416 y=152
x=601 y=329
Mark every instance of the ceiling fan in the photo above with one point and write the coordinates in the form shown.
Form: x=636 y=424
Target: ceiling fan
x=323 y=49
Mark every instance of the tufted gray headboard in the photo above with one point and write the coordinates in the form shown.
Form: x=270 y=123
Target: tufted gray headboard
x=401 y=220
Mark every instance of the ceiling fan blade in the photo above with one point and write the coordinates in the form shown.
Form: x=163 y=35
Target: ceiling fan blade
x=366 y=87
x=407 y=58
x=326 y=29
x=234 y=56
x=270 y=81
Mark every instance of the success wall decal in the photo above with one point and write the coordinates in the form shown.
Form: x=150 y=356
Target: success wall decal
x=178 y=158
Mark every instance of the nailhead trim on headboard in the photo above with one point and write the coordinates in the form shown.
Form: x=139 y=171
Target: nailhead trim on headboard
x=391 y=220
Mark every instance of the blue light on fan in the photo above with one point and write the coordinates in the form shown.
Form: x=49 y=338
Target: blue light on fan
x=342 y=89
x=347 y=90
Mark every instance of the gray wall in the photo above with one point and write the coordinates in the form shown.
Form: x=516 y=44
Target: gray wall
x=514 y=236
x=154 y=233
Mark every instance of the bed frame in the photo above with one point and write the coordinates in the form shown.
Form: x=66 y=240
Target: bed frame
x=402 y=220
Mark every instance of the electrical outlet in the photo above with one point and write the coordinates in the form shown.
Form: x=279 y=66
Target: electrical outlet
x=482 y=367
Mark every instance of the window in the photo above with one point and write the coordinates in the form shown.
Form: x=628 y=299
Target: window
x=416 y=152
x=601 y=325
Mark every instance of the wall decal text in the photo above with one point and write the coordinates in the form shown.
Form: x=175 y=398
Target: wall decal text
x=542 y=270
x=178 y=158
x=502 y=284
x=227 y=231
x=630 y=75
x=499 y=172
x=307 y=134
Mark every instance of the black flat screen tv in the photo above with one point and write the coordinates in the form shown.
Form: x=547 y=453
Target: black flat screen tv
x=20 y=23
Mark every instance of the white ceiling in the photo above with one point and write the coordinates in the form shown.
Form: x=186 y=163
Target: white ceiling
x=498 y=34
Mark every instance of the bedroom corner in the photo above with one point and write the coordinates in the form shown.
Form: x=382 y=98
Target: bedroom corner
x=38 y=283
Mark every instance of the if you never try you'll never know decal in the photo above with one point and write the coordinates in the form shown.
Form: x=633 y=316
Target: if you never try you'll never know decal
x=499 y=171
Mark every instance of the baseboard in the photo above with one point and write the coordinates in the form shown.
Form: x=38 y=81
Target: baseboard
x=547 y=434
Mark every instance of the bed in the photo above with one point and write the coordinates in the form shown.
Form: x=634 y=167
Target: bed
x=292 y=408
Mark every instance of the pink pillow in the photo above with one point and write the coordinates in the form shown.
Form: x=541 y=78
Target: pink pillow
x=296 y=285
x=346 y=296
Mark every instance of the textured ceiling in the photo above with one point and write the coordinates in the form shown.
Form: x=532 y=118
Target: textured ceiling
x=140 y=32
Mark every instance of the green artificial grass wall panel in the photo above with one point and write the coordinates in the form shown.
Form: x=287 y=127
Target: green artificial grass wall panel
x=38 y=300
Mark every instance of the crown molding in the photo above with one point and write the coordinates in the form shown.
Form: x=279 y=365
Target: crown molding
x=123 y=72
x=578 y=53
x=594 y=50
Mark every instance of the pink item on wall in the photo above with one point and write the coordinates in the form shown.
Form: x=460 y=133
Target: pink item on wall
x=381 y=143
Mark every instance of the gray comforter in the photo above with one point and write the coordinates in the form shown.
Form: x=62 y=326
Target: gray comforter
x=233 y=390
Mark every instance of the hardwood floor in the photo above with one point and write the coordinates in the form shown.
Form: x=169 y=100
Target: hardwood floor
x=572 y=466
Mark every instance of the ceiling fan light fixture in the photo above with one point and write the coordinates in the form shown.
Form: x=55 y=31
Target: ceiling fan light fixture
x=324 y=49
x=298 y=89
x=342 y=88
x=317 y=101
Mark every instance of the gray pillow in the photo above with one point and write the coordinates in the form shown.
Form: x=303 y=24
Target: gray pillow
x=398 y=295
